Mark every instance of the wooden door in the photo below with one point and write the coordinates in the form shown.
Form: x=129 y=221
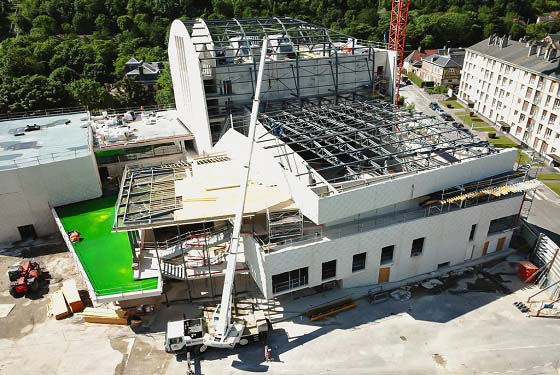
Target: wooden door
x=485 y=248
x=500 y=245
x=384 y=274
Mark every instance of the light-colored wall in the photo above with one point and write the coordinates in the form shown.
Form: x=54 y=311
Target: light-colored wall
x=188 y=87
x=412 y=186
x=446 y=240
x=316 y=77
x=27 y=194
x=499 y=90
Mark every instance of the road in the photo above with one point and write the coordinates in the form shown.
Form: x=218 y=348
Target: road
x=421 y=99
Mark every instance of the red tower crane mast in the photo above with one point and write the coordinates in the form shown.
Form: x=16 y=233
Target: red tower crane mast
x=397 y=37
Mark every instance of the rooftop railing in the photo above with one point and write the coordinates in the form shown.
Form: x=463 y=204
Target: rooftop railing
x=41 y=113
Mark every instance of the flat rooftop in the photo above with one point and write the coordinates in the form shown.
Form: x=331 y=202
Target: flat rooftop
x=137 y=128
x=347 y=143
x=106 y=256
x=59 y=137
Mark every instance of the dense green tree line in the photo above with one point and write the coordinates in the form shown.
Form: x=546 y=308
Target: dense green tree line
x=72 y=52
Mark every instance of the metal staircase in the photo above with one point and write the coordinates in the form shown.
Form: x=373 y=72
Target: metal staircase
x=173 y=271
x=170 y=250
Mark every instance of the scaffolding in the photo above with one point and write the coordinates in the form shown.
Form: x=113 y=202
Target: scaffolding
x=358 y=139
x=284 y=224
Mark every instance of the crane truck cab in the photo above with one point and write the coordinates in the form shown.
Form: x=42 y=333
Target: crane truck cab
x=198 y=333
x=182 y=334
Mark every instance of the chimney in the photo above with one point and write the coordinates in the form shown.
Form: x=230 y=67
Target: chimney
x=532 y=49
x=504 y=41
x=492 y=39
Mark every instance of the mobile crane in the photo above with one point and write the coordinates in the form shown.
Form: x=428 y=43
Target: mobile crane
x=221 y=329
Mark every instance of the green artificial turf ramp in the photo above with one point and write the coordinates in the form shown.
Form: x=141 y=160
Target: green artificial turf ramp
x=105 y=255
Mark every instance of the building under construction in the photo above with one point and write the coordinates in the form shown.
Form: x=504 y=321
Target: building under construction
x=345 y=189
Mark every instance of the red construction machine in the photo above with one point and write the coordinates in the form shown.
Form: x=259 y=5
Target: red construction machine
x=24 y=277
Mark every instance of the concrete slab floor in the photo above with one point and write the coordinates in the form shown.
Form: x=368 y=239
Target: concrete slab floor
x=435 y=332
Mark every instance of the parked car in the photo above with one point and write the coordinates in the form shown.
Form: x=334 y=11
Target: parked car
x=439 y=111
x=434 y=105
x=457 y=124
x=446 y=116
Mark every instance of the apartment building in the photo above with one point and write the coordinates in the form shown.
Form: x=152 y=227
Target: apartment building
x=516 y=85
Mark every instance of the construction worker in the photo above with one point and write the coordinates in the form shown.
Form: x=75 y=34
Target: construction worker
x=267 y=353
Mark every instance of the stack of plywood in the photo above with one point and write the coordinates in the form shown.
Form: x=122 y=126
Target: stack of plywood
x=105 y=316
x=58 y=305
x=72 y=296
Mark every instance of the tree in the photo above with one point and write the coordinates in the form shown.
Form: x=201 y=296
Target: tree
x=97 y=72
x=63 y=75
x=128 y=93
x=30 y=93
x=44 y=25
x=89 y=93
x=164 y=94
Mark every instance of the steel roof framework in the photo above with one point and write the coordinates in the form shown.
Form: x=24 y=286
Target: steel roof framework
x=147 y=195
x=358 y=137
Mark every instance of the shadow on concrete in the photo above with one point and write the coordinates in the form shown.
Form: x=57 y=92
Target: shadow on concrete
x=458 y=295
x=555 y=237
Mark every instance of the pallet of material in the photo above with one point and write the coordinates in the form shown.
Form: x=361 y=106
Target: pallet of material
x=58 y=305
x=72 y=296
x=105 y=316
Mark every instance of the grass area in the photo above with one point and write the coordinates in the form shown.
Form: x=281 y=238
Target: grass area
x=549 y=176
x=414 y=78
x=469 y=120
x=451 y=103
x=502 y=142
x=486 y=129
x=554 y=186
x=106 y=256
x=522 y=158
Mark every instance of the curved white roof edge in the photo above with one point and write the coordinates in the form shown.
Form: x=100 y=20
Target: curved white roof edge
x=188 y=86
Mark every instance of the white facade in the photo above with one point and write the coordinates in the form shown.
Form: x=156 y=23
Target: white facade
x=527 y=100
x=446 y=240
x=50 y=166
x=366 y=219
x=27 y=194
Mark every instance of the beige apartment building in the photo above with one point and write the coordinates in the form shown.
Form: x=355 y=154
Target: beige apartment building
x=516 y=84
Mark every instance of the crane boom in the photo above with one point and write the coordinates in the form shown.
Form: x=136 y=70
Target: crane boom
x=223 y=325
x=397 y=38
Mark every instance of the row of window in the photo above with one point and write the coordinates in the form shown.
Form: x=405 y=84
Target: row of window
x=300 y=277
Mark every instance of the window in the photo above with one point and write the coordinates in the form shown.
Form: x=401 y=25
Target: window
x=443 y=265
x=329 y=270
x=502 y=224
x=552 y=119
x=473 y=231
x=358 y=262
x=417 y=247
x=387 y=254
x=289 y=280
